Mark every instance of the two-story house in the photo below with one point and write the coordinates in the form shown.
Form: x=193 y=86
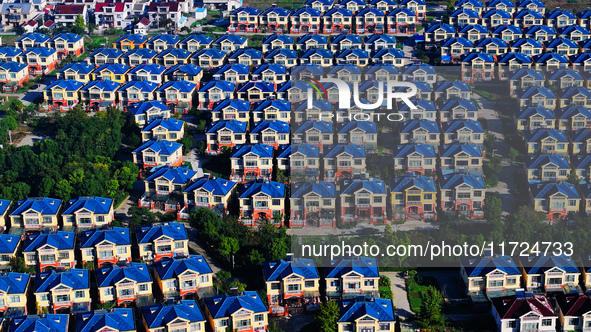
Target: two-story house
x=63 y=95
x=547 y=141
x=212 y=193
x=419 y=158
x=183 y=314
x=349 y=278
x=413 y=197
x=50 y=251
x=524 y=312
x=363 y=201
x=106 y=246
x=120 y=284
x=531 y=118
x=86 y=211
x=164 y=129
x=235 y=312
x=118 y=319
x=462 y=194
x=547 y=167
x=550 y=273
x=36 y=213
x=162 y=240
x=262 y=201
x=183 y=276
x=158 y=153
x=225 y=134
x=313 y=204
x=461 y=157
x=556 y=199
x=343 y=162
x=490 y=274
x=374 y=314
x=164 y=188
x=291 y=280
x=15 y=290
x=63 y=290
x=251 y=162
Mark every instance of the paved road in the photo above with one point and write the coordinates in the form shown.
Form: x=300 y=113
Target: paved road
x=360 y=229
x=398 y=285
x=488 y=111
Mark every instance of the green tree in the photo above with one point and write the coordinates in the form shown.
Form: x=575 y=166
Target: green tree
x=513 y=154
x=229 y=247
x=240 y=287
x=573 y=178
x=493 y=207
x=255 y=258
x=79 y=25
x=489 y=141
x=326 y=320
x=430 y=316
x=18 y=265
x=10 y=122
x=63 y=190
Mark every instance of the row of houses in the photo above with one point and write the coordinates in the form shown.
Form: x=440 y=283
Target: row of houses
x=539 y=292
x=326 y=17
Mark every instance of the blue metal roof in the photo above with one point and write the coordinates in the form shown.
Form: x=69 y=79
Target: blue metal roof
x=238 y=68
x=424 y=183
x=278 y=126
x=446 y=27
x=112 y=53
x=68 y=37
x=140 y=85
x=354 y=39
x=526 y=12
x=234 y=39
x=105 y=86
x=362 y=54
x=283 y=38
x=233 y=126
x=450 y=104
x=341 y=10
x=8 y=243
x=580 y=135
x=277 y=69
x=586 y=189
x=320 y=51
x=573 y=91
x=540 y=28
x=453 y=40
x=119 y=319
x=320 y=39
x=173 y=268
x=581 y=161
x=277 y=10
x=469 y=27
x=188 y=69
x=181 y=86
x=35 y=37
x=322 y=126
x=525 y=41
x=486 y=41
x=261 y=85
x=354 y=150
x=366 y=126
x=78 y=67
x=411 y=125
x=224 y=86
x=165 y=148
x=322 y=189
x=279 y=269
x=307 y=68
x=160 y=315
x=168 y=124
x=558 y=12
x=178 y=53
x=210 y=52
x=237 y=104
x=49 y=323
x=471 y=149
x=151 y=68
x=428 y=69
x=283 y=151
x=249 y=52
x=403 y=150
x=481 y=266
x=4 y=205
x=541 y=264
x=313 y=12
x=547 y=189
x=399 y=10
x=143 y=107
x=68 y=85
x=534 y=74
x=167 y=38
x=42 y=205
x=136 y=39
x=493 y=12
x=14 y=283
x=260 y=150
x=381 y=310
x=199 y=37
x=289 y=54
x=59 y=240
x=225 y=305
x=96 y=205
x=544 y=57
x=115 y=68
x=568 y=113
x=450 y=181
x=455 y=125
x=524 y=3
x=518 y=56
x=119 y=236
x=461 y=3
x=308 y=150
x=389 y=68
x=469 y=57
x=279 y=104
x=271 y=188
x=365 y=266
x=9 y=51
x=215 y=186
x=248 y=10
x=553 y=43
x=526 y=113
x=174 y=230
x=177 y=175
x=540 y=134
x=532 y=91
x=374 y=186
x=74 y=278
x=536 y=161
x=469 y=12
x=13 y=67
x=112 y=274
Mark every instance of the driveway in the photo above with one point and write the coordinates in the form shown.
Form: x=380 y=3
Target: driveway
x=398 y=285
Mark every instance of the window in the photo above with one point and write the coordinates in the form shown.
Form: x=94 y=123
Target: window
x=224 y=322
x=179 y=245
x=276 y=202
x=384 y=326
x=121 y=250
x=573 y=321
x=89 y=252
x=275 y=286
x=570 y=278
x=309 y=283
x=47 y=220
x=377 y=199
x=512 y=324
x=428 y=197
x=147 y=247
x=171 y=284
x=15 y=299
x=546 y=322
x=143 y=287
x=44 y=297
x=79 y=294
x=259 y=317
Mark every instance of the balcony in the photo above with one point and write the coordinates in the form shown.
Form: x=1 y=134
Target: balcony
x=126 y=297
x=244 y=328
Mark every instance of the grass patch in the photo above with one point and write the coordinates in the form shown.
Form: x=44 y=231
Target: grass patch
x=415 y=286
x=7 y=103
x=487 y=95
x=214 y=29
x=256 y=41
x=420 y=28
x=9 y=39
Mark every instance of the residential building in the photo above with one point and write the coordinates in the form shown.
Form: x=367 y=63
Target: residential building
x=418 y=158
x=120 y=284
x=401 y=20
x=359 y=132
x=371 y=20
x=88 y=212
x=228 y=43
x=13 y=75
x=349 y=278
x=113 y=15
x=62 y=95
x=573 y=311
x=214 y=91
x=452 y=90
x=243 y=311
x=17 y=14
x=550 y=273
x=374 y=314
x=557 y=200
x=136 y=91
x=185 y=72
x=104 y=56
x=313 y=204
x=145 y=112
x=458 y=109
x=160 y=43
x=581 y=141
x=118 y=319
x=41 y=60
x=212 y=193
x=260 y=201
x=420 y=131
x=413 y=197
x=15 y=290
x=273 y=133
x=158 y=153
x=363 y=201
x=100 y=95
x=106 y=246
x=183 y=276
x=582 y=167
x=244 y=19
x=180 y=314
x=63 y=290
x=336 y=20
x=251 y=162
x=462 y=194
x=50 y=251
x=546 y=167
x=532 y=118
x=178 y=95
x=343 y=162
x=291 y=280
x=9 y=244
x=36 y=213
x=148 y=72
x=271 y=110
x=461 y=157
x=4 y=208
x=308 y=42
x=466 y=131
x=162 y=240
x=305 y=20
x=32 y=40
x=195 y=42
x=490 y=274
x=546 y=141
x=523 y=313
x=125 y=42
x=209 y=58
x=225 y=134
x=67 y=44
x=80 y=72
x=51 y=322
x=164 y=188
x=164 y=129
